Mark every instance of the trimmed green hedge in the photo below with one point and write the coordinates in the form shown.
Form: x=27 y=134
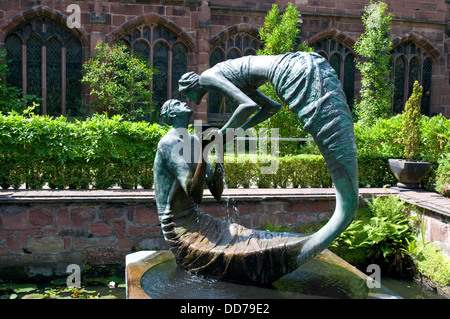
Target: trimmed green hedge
x=302 y=171
x=296 y=170
x=100 y=152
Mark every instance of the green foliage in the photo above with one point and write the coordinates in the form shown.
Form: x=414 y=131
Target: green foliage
x=280 y=31
x=379 y=234
x=411 y=134
x=385 y=138
x=57 y=289
x=374 y=48
x=303 y=170
x=100 y=152
x=433 y=264
x=415 y=246
x=443 y=176
x=119 y=80
x=374 y=171
x=295 y=170
x=11 y=98
x=270 y=227
x=279 y=36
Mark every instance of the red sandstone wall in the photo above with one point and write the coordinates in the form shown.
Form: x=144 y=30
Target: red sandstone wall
x=55 y=234
x=426 y=22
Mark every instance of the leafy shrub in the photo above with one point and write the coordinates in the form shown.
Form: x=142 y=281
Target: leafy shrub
x=435 y=137
x=384 y=138
x=378 y=235
x=374 y=171
x=119 y=80
x=100 y=152
x=383 y=141
x=434 y=264
x=443 y=176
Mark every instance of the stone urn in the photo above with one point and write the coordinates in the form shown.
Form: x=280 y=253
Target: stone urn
x=409 y=173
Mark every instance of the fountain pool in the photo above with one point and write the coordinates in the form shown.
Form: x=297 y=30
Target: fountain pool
x=155 y=274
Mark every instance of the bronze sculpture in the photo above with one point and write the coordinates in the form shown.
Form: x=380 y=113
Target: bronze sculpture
x=206 y=245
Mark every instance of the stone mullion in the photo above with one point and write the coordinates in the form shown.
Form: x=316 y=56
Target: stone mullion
x=44 y=78
x=63 y=80
x=24 y=69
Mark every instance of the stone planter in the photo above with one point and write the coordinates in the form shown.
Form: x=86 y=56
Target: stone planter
x=409 y=173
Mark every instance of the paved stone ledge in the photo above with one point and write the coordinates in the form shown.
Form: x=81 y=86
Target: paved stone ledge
x=420 y=198
x=44 y=195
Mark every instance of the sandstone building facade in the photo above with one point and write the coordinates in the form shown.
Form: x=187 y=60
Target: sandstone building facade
x=47 y=41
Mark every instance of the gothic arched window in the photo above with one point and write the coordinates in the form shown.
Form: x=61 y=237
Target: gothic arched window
x=165 y=53
x=230 y=47
x=45 y=60
x=410 y=63
x=342 y=59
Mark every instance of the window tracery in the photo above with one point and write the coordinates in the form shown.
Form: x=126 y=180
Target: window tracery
x=229 y=47
x=411 y=63
x=46 y=60
x=165 y=52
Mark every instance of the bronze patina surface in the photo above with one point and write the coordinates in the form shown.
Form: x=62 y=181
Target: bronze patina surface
x=212 y=247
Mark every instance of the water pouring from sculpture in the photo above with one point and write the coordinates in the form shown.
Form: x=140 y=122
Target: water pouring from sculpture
x=215 y=248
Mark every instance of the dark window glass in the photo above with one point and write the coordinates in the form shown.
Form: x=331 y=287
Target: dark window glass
x=426 y=85
x=46 y=76
x=399 y=85
x=411 y=64
x=142 y=50
x=14 y=56
x=179 y=62
x=53 y=77
x=159 y=46
x=160 y=63
x=349 y=79
x=335 y=62
x=73 y=75
x=34 y=68
x=413 y=76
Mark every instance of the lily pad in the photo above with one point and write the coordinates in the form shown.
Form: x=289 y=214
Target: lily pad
x=18 y=288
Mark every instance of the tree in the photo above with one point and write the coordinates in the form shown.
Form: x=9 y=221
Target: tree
x=374 y=46
x=279 y=36
x=120 y=82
